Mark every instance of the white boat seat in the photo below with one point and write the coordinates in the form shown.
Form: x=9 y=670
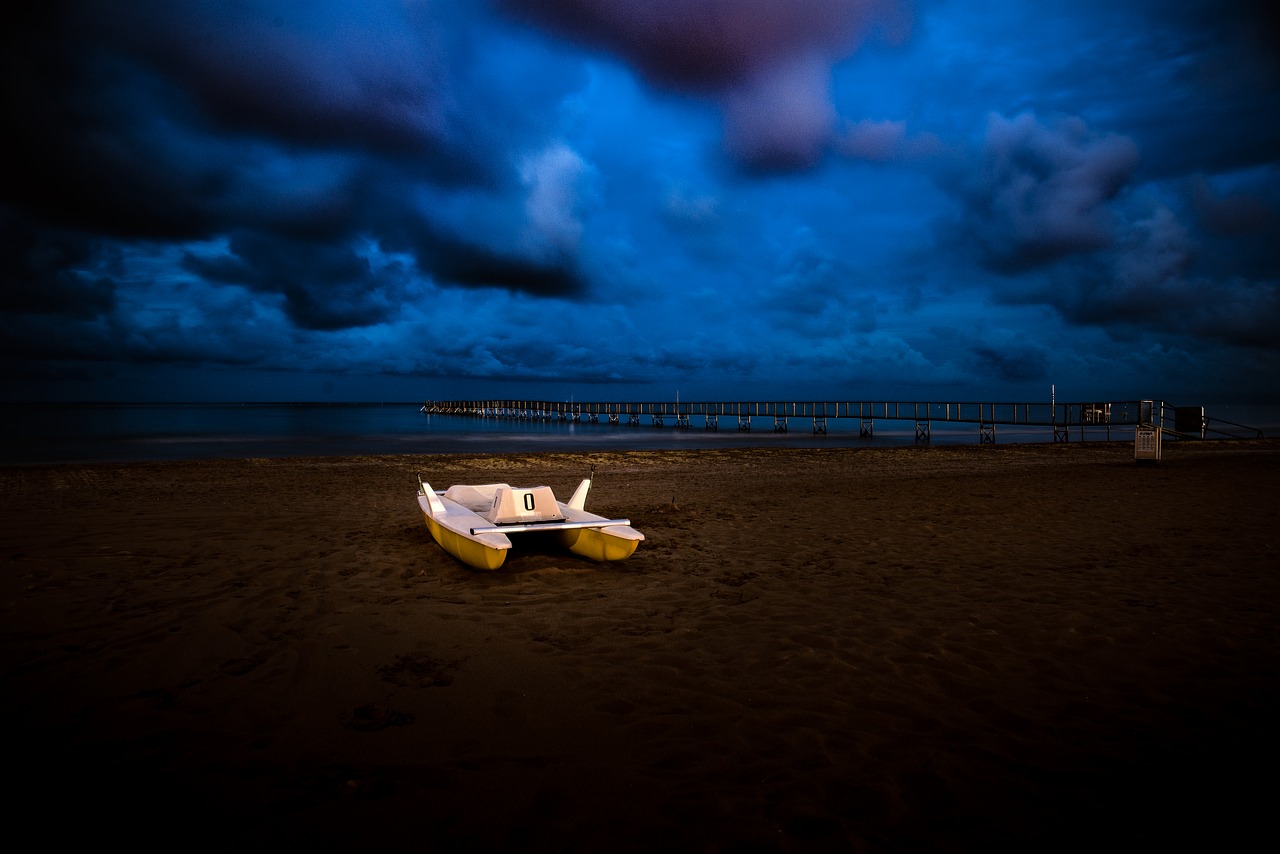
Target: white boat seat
x=477 y=499
x=512 y=506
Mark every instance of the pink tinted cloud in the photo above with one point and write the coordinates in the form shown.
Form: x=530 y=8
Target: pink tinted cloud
x=767 y=62
x=884 y=141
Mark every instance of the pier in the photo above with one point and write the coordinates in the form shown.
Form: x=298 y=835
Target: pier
x=1062 y=421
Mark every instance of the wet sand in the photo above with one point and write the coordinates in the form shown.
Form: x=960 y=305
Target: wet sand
x=949 y=649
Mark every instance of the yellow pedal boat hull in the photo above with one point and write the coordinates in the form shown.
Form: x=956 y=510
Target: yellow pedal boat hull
x=472 y=522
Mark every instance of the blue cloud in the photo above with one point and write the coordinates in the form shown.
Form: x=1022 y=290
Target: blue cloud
x=735 y=198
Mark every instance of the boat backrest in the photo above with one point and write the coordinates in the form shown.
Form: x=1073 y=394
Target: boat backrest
x=477 y=499
x=518 y=504
x=578 y=501
x=433 y=500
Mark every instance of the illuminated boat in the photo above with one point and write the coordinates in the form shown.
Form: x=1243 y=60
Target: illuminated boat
x=473 y=523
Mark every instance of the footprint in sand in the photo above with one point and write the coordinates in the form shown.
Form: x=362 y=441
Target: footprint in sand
x=418 y=671
x=372 y=717
x=241 y=666
x=734 y=579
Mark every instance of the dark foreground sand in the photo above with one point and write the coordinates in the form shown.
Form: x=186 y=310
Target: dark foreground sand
x=1043 y=647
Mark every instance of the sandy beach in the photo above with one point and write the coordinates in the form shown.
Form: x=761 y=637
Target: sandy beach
x=1042 y=647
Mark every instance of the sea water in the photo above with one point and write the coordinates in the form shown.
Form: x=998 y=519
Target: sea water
x=83 y=433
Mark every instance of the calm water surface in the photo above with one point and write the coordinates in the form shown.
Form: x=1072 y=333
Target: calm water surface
x=66 y=433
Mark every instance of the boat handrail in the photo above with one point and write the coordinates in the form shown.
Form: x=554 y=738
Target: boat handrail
x=547 y=526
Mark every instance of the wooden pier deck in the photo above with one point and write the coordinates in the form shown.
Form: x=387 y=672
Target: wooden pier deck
x=1060 y=418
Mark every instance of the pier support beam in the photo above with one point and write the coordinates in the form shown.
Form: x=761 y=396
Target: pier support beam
x=1062 y=419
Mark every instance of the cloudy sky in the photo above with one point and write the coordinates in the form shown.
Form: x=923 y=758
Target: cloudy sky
x=600 y=199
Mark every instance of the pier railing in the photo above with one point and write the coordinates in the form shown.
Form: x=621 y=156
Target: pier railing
x=1061 y=418
x=1004 y=413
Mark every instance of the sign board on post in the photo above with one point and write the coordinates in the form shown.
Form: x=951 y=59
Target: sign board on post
x=1146 y=443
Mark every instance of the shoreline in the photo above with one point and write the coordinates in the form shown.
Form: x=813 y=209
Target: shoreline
x=941 y=647
x=119 y=434
x=595 y=439
x=587 y=450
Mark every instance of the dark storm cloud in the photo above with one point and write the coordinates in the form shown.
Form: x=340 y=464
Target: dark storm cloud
x=1150 y=281
x=1204 y=84
x=325 y=286
x=323 y=74
x=768 y=63
x=817 y=293
x=715 y=193
x=1011 y=364
x=1231 y=214
x=471 y=265
x=1237 y=227
x=106 y=142
x=285 y=125
x=1154 y=280
x=1067 y=215
x=46 y=272
x=1040 y=192
x=117 y=92
x=715 y=44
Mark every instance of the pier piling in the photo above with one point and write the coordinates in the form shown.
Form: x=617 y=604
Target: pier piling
x=1057 y=418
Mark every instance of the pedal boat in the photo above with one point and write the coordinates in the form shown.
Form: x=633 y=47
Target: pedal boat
x=473 y=523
